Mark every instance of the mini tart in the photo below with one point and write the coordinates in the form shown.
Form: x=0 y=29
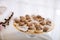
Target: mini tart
x=31 y=31
x=38 y=31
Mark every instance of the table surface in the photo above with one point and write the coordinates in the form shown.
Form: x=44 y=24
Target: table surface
x=11 y=33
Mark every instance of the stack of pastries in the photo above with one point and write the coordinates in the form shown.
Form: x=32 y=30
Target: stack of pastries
x=32 y=24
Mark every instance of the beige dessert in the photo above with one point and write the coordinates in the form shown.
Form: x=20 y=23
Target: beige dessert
x=33 y=24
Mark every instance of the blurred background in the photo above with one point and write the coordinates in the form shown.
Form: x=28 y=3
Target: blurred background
x=10 y=33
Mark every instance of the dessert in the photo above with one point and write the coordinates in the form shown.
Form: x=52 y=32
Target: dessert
x=32 y=24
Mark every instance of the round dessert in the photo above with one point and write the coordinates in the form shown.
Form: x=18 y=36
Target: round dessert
x=33 y=24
